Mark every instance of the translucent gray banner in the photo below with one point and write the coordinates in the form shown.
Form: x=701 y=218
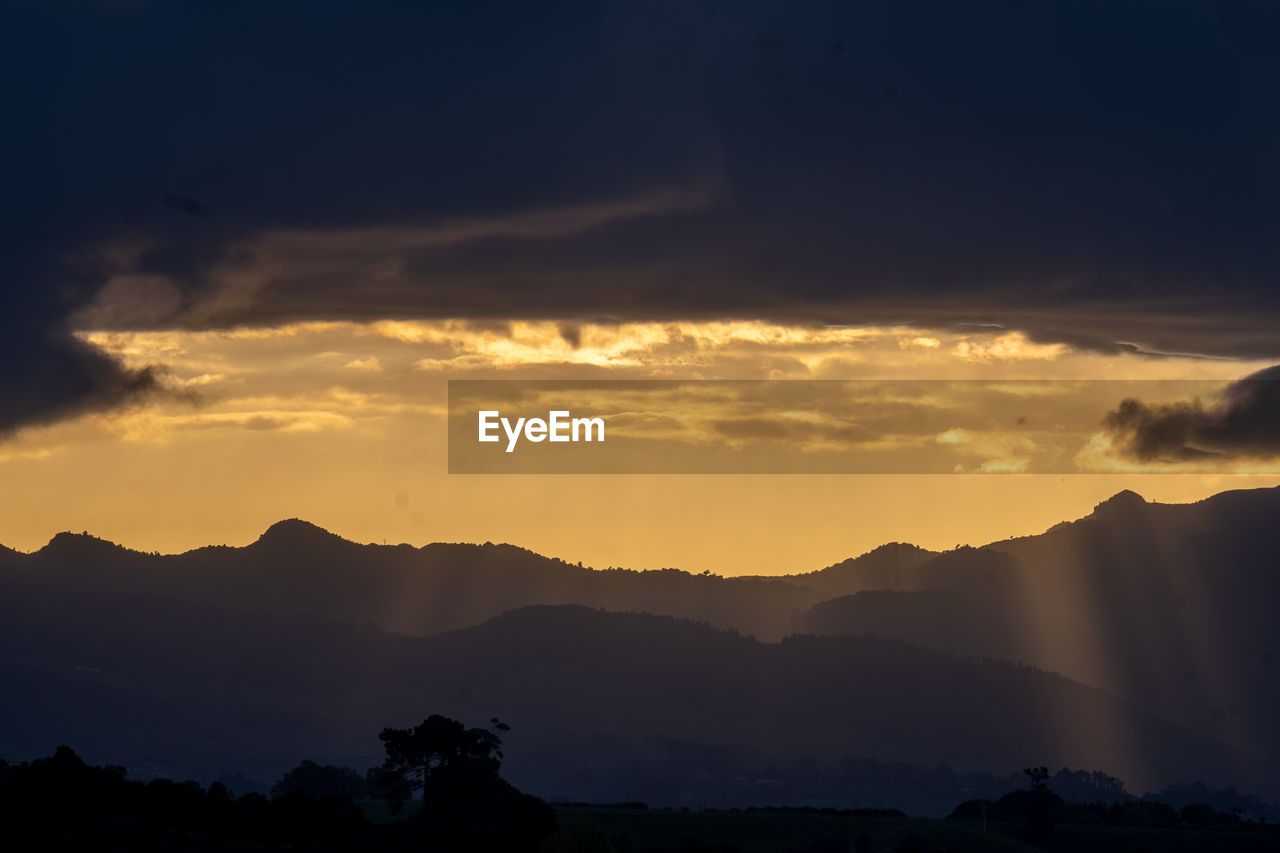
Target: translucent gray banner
x=863 y=426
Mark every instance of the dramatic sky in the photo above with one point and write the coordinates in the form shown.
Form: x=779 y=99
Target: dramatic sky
x=244 y=246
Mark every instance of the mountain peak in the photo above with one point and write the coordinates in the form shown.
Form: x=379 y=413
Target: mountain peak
x=1123 y=501
x=80 y=544
x=293 y=532
x=890 y=551
x=896 y=548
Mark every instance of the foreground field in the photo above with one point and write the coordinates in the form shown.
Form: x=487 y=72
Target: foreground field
x=633 y=830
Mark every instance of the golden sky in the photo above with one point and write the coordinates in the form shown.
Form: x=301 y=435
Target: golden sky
x=343 y=424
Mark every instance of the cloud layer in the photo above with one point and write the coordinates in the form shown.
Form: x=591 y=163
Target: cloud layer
x=1100 y=174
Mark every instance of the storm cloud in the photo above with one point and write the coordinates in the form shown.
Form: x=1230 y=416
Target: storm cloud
x=1101 y=174
x=57 y=376
x=1244 y=423
x=46 y=373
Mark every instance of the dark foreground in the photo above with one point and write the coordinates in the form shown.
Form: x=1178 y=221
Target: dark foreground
x=439 y=790
x=598 y=828
x=604 y=829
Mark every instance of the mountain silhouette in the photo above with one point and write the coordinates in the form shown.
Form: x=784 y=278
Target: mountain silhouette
x=624 y=704
x=1142 y=639
x=293 y=535
x=881 y=568
x=82 y=549
x=1123 y=501
x=298 y=566
x=1169 y=606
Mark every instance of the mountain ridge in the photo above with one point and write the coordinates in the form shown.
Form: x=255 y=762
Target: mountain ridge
x=590 y=695
x=1150 y=621
x=294 y=530
x=297 y=565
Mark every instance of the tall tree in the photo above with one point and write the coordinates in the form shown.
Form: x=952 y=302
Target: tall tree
x=440 y=749
x=466 y=805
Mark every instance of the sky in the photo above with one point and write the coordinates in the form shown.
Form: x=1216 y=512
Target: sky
x=246 y=246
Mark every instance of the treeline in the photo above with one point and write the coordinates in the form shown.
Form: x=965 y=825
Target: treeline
x=1150 y=814
x=448 y=770
x=77 y=805
x=1038 y=810
x=449 y=773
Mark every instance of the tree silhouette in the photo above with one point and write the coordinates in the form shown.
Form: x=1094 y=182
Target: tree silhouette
x=466 y=805
x=1041 y=806
x=317 y=781
x=1039 y=777
x=442 y=749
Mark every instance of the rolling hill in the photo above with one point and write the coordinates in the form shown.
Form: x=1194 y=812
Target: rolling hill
x=633 y=706
x=1143 y=636
x=1170 y=606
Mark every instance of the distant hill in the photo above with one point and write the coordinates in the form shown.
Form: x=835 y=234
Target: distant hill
x=296 y=566
x=885 y=567
x=1168 y=608
x=601 y=704
x=943 y=619
x=1171 y=606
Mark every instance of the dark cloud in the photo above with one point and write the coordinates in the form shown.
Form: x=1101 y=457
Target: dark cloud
x=1245 y=422
x=47 y=377
x=46 y=373
x=571 y=333
x=1101 y=173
